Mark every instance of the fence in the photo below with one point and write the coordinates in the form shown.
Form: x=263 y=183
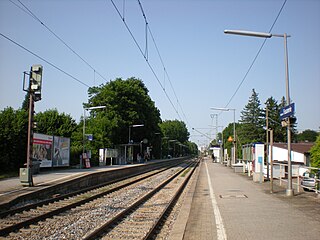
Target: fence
x=280 y=173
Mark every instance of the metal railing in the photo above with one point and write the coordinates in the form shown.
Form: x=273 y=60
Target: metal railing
x=280 y=173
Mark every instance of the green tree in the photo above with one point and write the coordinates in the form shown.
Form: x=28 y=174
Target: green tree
x=307 y=136
x=192 y=148
x=13 y=138
x=228 y=132
x=127 y=103
x=173 y=130
x=25 y=103
x=52 y=122
x=315 y=153
x=252 y=120
x=274 y=122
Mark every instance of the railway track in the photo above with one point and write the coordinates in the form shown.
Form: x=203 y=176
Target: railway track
x=34 y=203
x=68 y=212
x=143 y=219
x=23 y=216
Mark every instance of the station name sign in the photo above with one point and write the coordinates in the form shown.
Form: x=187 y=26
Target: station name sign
x=287 y=111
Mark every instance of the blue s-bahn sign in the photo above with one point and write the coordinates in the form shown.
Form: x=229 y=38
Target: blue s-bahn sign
x=287 y=111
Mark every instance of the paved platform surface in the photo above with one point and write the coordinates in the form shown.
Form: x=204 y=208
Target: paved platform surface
x=11 y=188
x=222 y=204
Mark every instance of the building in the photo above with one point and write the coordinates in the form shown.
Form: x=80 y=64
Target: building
x=300 y=153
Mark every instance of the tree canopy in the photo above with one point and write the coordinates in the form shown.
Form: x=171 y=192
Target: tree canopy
x=274 y=122
x=252 y=121
x=13 y=138
x=52 y=122
x=315 y=153
x=175 y=130
x=307 y=136
x=127 y=103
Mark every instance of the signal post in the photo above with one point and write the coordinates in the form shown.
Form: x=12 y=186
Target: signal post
x=33 y=87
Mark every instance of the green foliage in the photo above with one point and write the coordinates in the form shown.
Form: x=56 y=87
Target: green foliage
x=192 y=148
x=228 y=132
x=252 y=120
x=13 y=138
x=315 y=153
x=127 y=103
x=175 y=130
x=274 y=122
x=252 y=126
x=307 y=136
x=52 y=122
x=25 y=103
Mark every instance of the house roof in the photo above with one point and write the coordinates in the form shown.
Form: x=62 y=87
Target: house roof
x=296 y=147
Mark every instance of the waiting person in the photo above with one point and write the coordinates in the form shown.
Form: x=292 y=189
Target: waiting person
x=138 y=157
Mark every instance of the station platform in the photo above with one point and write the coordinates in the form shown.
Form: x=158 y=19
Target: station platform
x=12 y=188
x=222 y=204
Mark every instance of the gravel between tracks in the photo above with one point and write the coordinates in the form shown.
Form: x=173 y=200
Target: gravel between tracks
x=77 y=222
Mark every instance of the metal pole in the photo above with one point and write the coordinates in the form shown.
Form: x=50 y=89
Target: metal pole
x=222 y=148
x=271 y=159
x=267 y=140
x=217 y=129
x=30 y=136
x=83 y=137
x=289 y=191
x=234 y=136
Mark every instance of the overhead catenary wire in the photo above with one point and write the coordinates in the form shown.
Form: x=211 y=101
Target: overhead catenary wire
x=168 y=77
x=46 y=61
x=30 y=13
x=256 y=56
x=161 y=60
x=145 y=57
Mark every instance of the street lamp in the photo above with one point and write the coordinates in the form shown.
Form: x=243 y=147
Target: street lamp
x=234 y=128
x=84 y=128
x=289 y=191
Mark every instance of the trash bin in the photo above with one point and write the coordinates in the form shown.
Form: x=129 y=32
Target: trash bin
x=35 y=166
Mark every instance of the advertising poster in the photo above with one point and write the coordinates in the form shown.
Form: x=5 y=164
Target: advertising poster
x=61 y=152
x=42 y=149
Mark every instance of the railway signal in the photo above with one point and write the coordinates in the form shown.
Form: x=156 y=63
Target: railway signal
x=33 y=87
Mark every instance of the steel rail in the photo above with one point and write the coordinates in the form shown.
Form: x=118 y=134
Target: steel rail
x=25 y=223
x=71 y=194
x=168 y=209
x=112 y=222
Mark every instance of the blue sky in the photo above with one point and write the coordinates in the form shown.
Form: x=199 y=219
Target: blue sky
x=205 y=65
